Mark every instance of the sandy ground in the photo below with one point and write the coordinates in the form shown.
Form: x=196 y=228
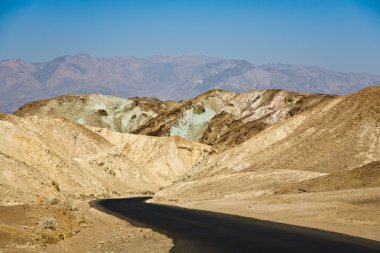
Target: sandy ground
x=32 y=227
x=354 y=212
x=80 y=228
x=89 y=231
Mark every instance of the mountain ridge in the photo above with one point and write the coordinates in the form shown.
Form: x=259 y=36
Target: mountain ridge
x=163 y=77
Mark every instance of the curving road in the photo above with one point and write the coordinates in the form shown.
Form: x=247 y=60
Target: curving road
x=202 y=231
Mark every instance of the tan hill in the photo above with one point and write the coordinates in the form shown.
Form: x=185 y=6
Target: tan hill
x=365 y=176
x=219 y=118
x=51 y=167
x=337 y=135
x=163 y=159
x=329 y=154
x=46 y=157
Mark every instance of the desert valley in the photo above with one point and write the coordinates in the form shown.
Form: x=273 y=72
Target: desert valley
x=311 y=160
x=189 y=126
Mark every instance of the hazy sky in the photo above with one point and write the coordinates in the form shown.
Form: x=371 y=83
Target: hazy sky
x=342 y=35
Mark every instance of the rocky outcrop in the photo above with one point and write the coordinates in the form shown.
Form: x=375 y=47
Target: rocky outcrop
x=219 y=118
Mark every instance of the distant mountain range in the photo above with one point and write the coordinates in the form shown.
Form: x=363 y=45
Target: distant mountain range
x=164 y=77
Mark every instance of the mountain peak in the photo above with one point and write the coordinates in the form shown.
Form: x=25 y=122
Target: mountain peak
x=171 y=77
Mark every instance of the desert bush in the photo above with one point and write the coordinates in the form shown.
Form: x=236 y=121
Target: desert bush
x=56 y=185
x=48 y=223
x=53 y=201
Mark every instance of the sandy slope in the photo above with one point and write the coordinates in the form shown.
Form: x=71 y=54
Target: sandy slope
x=47 y=158
x=54 y=157
x=333 y=146
x=337 y=135
x=51 y=167
x=163 y=159
x=75 y=228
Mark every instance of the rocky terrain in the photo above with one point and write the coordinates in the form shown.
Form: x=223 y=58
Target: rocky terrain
x=298 y=158
x=163 y=77
x=218 y=118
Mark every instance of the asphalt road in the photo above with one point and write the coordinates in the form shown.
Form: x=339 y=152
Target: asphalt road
x=202 y=231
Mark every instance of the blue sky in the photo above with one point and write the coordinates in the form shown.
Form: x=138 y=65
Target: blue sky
x=343 y=35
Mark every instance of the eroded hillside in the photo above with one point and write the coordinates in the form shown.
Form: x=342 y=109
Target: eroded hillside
x=114 y=113
x=269 y=154
x=218 y=118
x=322 y=161
x=337 y=135
x=46 y=157
x=50 y=168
